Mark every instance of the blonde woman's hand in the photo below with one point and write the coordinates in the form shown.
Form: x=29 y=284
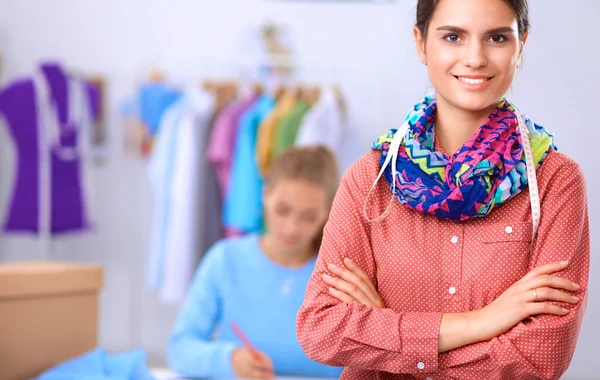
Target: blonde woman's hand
x=352 y=285
x=246 y=365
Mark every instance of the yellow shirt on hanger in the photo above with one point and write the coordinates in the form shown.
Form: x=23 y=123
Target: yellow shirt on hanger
x=265 y=143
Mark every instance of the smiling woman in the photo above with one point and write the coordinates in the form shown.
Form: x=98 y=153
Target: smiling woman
x=472 y=261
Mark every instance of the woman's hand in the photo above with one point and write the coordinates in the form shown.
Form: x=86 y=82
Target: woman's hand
x=247 y=365
x=352 y=285
x=519 y=301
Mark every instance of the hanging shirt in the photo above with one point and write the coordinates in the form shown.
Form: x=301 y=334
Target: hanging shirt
x=285 y=135
x=48 y=120
x=161 y=166
x=324 y=124
x=227 y=289
x=424 y=266
x=268 y=129
x=243 y=203
x=223 y=139
x=154 y=99
x=186 y=196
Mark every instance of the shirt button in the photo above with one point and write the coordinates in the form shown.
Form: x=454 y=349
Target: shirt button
x=429 y=378
x=454 y=239
x=452 y=290
x=508 y=229
x=420 y=365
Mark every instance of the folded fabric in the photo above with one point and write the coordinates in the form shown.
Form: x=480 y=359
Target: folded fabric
x=99 y=365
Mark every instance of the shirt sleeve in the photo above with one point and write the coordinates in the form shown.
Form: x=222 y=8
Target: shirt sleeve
x=264 y=143
x=339 y=334
x=94 y=96
x=190 y=350
x=541 y=347
x=217 y=147
x=242 y=209
x=181 y=246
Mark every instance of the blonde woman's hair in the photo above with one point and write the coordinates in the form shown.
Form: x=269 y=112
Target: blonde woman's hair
x=315 y=164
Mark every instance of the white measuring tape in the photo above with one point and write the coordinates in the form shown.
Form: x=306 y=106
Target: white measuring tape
x=534 y=191
x=392 y=156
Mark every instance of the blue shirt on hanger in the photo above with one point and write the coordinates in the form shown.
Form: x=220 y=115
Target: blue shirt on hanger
x=154 y=100
x=243 y=209
x=237 y=282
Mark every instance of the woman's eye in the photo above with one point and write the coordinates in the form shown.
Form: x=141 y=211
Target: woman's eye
x=452 y=38
x=498 y=38
x=282 y=211
x=309 y=219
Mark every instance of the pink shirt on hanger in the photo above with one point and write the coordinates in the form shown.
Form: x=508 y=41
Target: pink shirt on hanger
x=223 y=138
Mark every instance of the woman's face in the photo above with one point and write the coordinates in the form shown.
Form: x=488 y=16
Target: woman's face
x=472 y=51
x=295 y=212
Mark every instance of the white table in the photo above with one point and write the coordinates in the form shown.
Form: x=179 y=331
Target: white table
x=166 y=374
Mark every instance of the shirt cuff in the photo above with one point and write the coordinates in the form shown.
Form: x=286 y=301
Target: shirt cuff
x=420 y=333
x=223 y=364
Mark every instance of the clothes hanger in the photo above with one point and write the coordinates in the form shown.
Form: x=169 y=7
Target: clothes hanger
x=278 y=92
x=231 y=90
x=223 y=91
x=337 y=92
x=311 y=94
x=156 y=75
x=258 y=88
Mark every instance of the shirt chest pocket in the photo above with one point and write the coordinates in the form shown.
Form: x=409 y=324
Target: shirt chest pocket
x=501 y=256
x=499 y=233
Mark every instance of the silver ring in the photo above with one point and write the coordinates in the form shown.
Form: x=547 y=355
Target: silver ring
x=535 y=295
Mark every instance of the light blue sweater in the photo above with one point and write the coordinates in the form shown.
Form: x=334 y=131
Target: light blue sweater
x=236 y=282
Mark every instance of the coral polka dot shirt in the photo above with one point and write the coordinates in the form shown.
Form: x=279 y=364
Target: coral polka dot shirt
x=423 y=266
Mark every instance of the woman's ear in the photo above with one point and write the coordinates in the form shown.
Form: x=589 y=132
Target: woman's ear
x=420 y=44
x=523 y=42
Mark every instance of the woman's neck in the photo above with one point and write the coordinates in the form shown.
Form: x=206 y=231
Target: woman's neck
x=289 y=258
x=455 y=126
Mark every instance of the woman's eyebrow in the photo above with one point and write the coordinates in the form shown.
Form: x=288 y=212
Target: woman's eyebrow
x=456 y=29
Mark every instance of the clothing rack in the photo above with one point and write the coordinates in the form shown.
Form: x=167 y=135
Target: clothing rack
x=368 y=96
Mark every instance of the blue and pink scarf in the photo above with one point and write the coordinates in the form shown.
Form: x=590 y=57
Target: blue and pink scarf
x=486 y=172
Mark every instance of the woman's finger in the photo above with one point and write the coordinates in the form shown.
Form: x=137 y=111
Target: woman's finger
x=352 y=266
x=553 y=295
x=348 y=288
x=259 y=373
x=552 y=282
x=263 y=368
x=354 y=279
x=545 y=269
x=537 y=308
x=374 y=294
x=343 y=297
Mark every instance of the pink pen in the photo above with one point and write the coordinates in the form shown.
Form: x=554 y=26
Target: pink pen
x=241 y=336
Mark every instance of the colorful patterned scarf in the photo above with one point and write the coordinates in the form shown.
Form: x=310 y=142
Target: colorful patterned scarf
x=486 y=172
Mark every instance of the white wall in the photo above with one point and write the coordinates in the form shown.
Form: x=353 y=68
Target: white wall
x=366 y=47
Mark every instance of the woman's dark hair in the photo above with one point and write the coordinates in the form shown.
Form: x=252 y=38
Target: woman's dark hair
x=426 y=8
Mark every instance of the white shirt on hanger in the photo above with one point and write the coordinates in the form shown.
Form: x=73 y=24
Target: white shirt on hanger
x=325 y=123
x=160 y=173
x=176 y=231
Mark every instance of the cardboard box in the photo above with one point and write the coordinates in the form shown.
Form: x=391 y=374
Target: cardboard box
x=48 y=314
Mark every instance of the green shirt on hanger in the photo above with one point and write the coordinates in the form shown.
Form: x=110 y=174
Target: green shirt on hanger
x=289 y=126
